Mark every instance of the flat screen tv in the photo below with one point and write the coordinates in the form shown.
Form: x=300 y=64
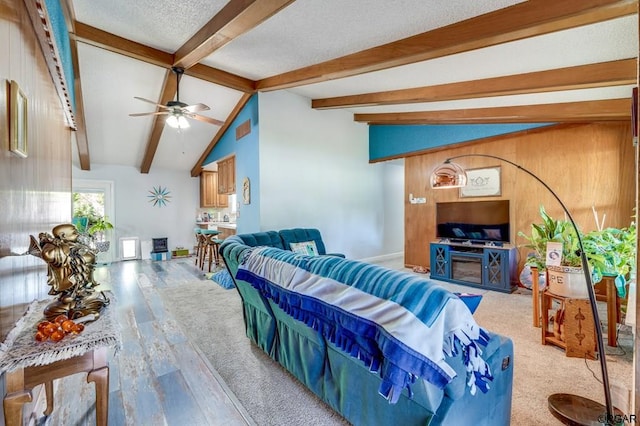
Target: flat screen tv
x=475 y=221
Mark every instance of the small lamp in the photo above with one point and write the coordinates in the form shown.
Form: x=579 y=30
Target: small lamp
x=570 y=409
x=178 y=121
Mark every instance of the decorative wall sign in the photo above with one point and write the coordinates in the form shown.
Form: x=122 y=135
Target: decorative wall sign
x=18 y=121
x=482 y=183
x=159 y=196
x=246 y=191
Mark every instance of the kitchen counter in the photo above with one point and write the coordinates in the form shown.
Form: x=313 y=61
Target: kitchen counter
x=227 y=225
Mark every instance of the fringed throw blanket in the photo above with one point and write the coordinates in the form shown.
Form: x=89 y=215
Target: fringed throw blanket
x=398 y=324
x=20 y=349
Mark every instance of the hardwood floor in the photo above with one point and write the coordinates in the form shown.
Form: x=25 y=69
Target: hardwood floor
x=158 y=377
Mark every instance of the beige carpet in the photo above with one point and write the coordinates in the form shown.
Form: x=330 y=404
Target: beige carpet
x=539 y=370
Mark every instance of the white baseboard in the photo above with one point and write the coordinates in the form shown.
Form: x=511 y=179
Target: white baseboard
x=383 y=258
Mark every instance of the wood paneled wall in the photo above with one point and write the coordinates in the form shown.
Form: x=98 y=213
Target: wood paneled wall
x=585 y=164
x=35 y=192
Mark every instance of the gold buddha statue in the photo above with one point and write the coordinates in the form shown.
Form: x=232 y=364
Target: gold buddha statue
x=70 y=273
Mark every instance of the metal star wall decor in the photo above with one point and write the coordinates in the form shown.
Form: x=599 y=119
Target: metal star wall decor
x=159 y=196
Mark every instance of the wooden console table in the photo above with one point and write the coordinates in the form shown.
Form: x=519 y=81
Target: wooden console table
x=605 y=291
x=28 y=363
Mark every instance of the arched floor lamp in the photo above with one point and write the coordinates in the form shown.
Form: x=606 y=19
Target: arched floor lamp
x=571 y=409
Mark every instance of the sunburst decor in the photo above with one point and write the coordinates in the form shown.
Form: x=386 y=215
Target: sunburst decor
x=159 y=196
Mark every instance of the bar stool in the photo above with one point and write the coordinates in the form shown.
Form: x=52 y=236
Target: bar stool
x=209 y=249
x=199 y=246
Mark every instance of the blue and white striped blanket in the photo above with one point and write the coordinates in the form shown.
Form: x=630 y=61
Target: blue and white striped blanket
x=398 y=324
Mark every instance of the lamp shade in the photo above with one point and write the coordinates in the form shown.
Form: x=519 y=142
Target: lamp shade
x=448 y=175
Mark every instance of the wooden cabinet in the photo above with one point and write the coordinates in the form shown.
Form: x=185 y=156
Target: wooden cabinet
x=209 y=196
x=225 y=232
x=227 y=176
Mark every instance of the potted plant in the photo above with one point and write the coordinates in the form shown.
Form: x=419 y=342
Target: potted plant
x=97 y=231
x=610 y=251
x=568 y=278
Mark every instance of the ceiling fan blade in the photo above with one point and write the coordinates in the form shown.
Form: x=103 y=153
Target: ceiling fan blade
x=140 y=114
x=205 y=119
x=151 y=102
x=196 y=108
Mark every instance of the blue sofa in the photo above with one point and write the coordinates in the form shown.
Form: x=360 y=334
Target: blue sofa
x=333 y=351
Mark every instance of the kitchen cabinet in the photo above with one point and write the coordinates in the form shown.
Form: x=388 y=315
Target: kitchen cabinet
x=225 y=232
x=227 y=176
x=209 y=196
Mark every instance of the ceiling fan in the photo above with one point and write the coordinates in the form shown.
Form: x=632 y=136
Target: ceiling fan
x=177 y=111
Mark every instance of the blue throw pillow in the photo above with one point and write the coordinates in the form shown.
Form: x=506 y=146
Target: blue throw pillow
x=223 y=278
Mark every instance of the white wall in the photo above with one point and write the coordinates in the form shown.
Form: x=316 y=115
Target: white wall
x=393 y=236
x=135 y=216
x=314 y=172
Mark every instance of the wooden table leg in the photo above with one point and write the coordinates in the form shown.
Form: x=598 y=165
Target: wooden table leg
x=535 y=294
x=48 y=390
x=12 y=405
x=100 y=376
x=19 y=384
x=16 y=396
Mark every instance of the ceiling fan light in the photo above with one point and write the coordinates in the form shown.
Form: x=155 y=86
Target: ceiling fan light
x=183 y=123
x=177 y=121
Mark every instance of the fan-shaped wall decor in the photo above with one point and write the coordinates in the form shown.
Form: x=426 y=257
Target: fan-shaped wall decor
x=159 y=196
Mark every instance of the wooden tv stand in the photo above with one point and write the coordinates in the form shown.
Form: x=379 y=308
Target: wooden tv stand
x=487 y=266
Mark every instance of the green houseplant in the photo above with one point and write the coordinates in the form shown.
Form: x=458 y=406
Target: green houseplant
x=610 y=251
x=97 y=231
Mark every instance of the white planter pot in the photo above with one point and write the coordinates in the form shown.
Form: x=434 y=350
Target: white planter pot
x=567 y=281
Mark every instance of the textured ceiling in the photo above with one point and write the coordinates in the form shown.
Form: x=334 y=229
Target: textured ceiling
x=304 y=33
x=160 y=24
x=312 y=31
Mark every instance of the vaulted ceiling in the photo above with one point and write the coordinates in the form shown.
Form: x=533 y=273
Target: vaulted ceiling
x=402 y=61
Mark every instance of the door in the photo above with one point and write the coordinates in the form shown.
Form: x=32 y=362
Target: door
x=95 y=198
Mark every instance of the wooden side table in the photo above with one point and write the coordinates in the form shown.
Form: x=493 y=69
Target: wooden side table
x=27 y=363
x=605 y=291
x=579 y=328
x=20 y=383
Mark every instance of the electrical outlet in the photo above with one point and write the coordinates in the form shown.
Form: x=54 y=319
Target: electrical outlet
x=420 y=200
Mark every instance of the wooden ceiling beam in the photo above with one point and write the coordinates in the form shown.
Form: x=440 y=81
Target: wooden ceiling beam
x=234 y=19
x=82 y=141
x=104 y=40
x=528 y=19
x=588 y=111
x=223 y=78
x=604 y=74
x=197 y=169
x=169 y=89
x=113 y=43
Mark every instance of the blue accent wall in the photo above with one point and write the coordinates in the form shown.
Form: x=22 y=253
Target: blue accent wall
x=395 y=140
x=61 y=36
x=247 y=153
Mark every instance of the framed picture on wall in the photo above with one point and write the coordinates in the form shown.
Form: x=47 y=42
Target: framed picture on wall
x=18 y=121
x=483 y=182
